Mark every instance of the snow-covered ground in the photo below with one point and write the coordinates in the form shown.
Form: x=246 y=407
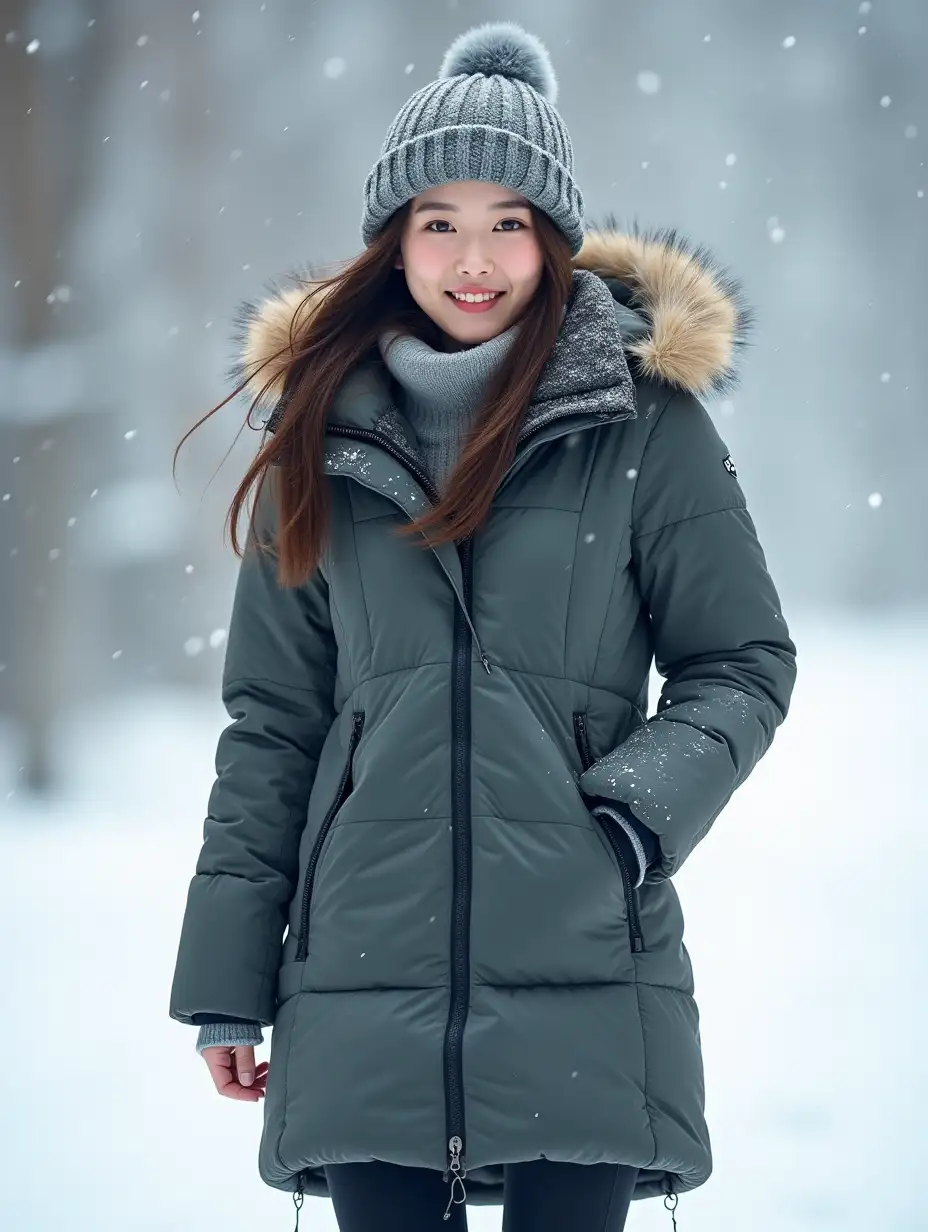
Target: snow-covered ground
x=806 y=921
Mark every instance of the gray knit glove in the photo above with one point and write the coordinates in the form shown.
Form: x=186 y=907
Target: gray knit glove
x=228 y=1035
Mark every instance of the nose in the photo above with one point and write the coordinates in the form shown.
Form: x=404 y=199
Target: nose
x=473 y=263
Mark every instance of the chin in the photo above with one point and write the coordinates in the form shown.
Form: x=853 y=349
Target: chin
x=480 y=331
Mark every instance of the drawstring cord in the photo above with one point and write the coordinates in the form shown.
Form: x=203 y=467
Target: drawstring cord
x=670 y=1202
x=298 y=1200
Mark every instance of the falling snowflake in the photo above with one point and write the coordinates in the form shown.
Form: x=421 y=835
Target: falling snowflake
x=334 y=67
x=874 y=500
x=789 y=41
x=648 y=82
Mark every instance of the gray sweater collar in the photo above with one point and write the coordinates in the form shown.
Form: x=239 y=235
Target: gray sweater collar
x=443 y=380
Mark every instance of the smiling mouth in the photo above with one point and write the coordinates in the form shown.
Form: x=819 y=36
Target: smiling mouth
x=460 y=300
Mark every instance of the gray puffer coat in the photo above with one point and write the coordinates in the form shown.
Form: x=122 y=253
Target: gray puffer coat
x=468 y=974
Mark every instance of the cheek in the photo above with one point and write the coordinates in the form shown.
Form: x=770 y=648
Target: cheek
x=423 y=263
x=524 y=262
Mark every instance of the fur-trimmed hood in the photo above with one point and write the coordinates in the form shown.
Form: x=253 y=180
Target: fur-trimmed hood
x=682 y=318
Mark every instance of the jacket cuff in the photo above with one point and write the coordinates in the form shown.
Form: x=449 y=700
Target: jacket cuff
x=228 y=1035
x=198 y=1020
x=643 y=840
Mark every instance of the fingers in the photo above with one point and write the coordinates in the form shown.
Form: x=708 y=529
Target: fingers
x=244 y=1057
x=228 y=1071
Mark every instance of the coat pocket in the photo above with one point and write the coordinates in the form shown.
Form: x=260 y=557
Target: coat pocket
x=341 y=795
x=609 y=828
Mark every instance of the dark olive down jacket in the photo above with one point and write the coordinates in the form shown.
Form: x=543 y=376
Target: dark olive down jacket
x=400 y=869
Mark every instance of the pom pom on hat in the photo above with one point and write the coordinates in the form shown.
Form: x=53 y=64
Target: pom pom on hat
x=505 y=48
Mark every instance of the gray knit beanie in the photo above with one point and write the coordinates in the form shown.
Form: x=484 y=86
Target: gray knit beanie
x=489 y=116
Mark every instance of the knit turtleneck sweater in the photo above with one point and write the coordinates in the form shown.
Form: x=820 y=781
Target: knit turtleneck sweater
x=439 y=392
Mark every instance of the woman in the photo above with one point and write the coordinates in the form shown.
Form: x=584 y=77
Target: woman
x=477 y=523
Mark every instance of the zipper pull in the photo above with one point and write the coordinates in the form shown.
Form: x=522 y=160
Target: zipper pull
x=298 y=1200
x=457 y=1170
x=486 y=663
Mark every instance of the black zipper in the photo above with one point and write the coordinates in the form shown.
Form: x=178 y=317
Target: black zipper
x=383 y=442
x=357 y=725
x=608 y=827
x=461 y=891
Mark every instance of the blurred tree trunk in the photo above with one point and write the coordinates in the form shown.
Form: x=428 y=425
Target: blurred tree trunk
x=46 y=154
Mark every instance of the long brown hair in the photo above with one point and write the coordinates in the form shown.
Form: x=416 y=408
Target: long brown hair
x=354 y=305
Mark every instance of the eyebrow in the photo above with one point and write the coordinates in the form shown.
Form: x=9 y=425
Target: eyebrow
x=511 y=204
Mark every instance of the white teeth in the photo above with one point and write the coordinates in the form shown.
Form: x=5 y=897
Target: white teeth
x=470 y=298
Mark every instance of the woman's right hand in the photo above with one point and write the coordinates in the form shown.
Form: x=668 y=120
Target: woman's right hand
x=234 y=1073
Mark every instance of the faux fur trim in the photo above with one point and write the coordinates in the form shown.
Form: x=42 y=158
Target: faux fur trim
x=695 y=312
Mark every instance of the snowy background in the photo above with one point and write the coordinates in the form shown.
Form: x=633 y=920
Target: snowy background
x=161 y=163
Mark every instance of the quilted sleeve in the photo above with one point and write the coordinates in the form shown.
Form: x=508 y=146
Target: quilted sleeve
x=720 y=640
x=278 y=687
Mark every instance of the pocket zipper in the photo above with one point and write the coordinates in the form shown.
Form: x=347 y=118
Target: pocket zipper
x=357 y=724
x=607 y=825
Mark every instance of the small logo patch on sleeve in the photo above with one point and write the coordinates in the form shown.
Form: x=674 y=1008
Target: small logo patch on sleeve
x=729 y=465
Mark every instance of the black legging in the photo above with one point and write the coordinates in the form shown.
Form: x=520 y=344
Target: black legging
x=540 y=1195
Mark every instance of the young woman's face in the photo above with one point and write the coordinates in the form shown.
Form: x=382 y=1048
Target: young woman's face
x=470 y=234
